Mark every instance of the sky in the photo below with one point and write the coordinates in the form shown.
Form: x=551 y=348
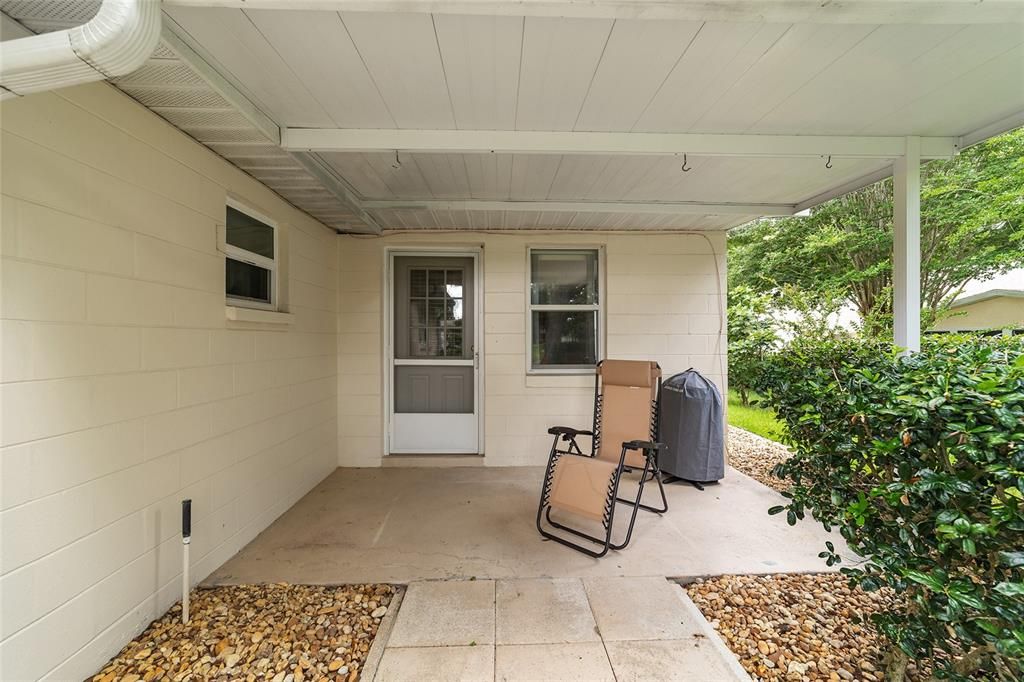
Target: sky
x=1013 y=279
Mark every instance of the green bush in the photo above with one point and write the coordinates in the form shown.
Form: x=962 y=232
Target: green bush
x=919 y=462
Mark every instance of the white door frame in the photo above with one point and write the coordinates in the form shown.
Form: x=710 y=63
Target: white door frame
x=474 y=252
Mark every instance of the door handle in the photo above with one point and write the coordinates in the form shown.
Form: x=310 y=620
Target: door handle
x=476 y=357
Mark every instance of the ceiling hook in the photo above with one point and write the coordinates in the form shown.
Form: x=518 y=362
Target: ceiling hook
x=828 y=164
x=398 y=162
x=683 y=167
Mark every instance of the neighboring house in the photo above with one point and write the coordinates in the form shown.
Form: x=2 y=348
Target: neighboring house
x=221 y=281
x=988 y=310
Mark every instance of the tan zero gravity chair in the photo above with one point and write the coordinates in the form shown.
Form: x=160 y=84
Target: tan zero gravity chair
x=624 y=438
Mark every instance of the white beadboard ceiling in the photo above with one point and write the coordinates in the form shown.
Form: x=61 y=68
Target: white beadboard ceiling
x=417 y=70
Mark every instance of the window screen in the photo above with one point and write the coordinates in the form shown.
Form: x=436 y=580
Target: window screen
x=251 y=264
x=564 y=309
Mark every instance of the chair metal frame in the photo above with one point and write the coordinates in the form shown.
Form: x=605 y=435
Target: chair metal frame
x=571 y=448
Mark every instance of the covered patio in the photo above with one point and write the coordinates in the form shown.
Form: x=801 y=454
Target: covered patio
x=287 y=258
x=407 y=524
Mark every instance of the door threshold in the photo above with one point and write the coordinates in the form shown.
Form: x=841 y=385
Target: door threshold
x=433 y=460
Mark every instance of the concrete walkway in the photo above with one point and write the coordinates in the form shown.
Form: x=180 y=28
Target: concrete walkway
x=595 y=629
x=404 y=525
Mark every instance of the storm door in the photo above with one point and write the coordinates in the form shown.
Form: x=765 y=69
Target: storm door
x=434 y=359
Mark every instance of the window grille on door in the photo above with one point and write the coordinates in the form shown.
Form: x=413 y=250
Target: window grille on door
x=436 y=310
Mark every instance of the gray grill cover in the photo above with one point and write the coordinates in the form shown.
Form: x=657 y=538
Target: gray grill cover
x=691 y=425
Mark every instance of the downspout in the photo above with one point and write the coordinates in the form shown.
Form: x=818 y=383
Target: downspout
x=115 y=42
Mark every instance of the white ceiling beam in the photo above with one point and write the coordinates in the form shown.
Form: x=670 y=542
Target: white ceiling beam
x=991 y=130
x=758 y=11
x=844 y=188
x=568 y=142
x=657 y=207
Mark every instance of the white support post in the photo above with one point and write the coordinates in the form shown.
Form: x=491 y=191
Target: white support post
x=906 y=253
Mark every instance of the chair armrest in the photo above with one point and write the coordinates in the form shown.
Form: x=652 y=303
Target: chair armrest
x=644 y=445
x=569 y=431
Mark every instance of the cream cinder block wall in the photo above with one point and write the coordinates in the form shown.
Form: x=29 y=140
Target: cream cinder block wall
x=662 y=302
x=124 y=389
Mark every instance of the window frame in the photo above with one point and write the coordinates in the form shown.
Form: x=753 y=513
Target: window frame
x=598 y=307
x=245 y=256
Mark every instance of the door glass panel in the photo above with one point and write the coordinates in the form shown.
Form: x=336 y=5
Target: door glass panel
x=437 y=304
x=417 y=313
x=453 y=342
x=435 y=286
x=418 y=283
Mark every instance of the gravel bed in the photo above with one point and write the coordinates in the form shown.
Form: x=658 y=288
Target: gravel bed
x=797 y=627
x=279 y=633
x=755 y=456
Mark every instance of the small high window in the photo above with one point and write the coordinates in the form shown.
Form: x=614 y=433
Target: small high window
x=251 y=264
x=564 y=310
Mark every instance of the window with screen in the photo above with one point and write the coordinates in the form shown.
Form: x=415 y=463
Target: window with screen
x=564 y=308
x=251 y=265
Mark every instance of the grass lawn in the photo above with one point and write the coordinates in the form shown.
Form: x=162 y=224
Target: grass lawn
x=753 y=418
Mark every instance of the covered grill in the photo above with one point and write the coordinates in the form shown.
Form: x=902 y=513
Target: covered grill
x=693 y=428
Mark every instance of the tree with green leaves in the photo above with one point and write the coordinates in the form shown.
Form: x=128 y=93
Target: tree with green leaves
x=751 y=338
x=972 y=227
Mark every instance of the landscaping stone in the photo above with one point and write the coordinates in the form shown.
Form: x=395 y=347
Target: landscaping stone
x=797 y=627
x=755 y=456
x=259 y=632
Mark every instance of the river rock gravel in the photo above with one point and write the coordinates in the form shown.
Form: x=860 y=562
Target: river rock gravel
x=755 y=456
x=797 y=627
x=276 y=632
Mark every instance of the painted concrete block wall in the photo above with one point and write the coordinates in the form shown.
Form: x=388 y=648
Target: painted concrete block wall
x=665 y=300
x=123 y=388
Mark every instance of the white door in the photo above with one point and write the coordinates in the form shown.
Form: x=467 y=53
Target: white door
x=434 y=360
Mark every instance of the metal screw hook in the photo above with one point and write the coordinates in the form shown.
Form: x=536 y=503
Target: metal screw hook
x=683 y=167
x=828 y=164
x=398 y=162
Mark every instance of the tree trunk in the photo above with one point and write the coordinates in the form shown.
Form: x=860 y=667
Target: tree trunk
x=971 y=662
x=896 y=665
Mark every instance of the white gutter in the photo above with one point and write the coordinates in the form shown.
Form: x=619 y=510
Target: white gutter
x=115 y=42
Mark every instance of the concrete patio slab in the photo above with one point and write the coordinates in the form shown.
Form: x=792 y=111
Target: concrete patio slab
x=685 y=660
x=576 y=662
x=544 y=610
x=443 y=664
x=402 y=525
x=638 y=609
x=445 y=613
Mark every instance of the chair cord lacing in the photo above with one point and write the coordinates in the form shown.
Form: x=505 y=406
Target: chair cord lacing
x=549 y=479
x=609 y=503
x=654 y=420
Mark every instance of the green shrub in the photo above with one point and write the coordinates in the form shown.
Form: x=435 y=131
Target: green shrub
x=919 y=462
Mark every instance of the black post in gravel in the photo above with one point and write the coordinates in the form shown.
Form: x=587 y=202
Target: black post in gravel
x=186 y=539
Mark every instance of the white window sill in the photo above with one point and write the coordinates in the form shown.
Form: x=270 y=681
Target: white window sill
x=240 y=314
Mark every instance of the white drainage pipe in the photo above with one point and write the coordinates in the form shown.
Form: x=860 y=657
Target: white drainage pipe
x=115 y=42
